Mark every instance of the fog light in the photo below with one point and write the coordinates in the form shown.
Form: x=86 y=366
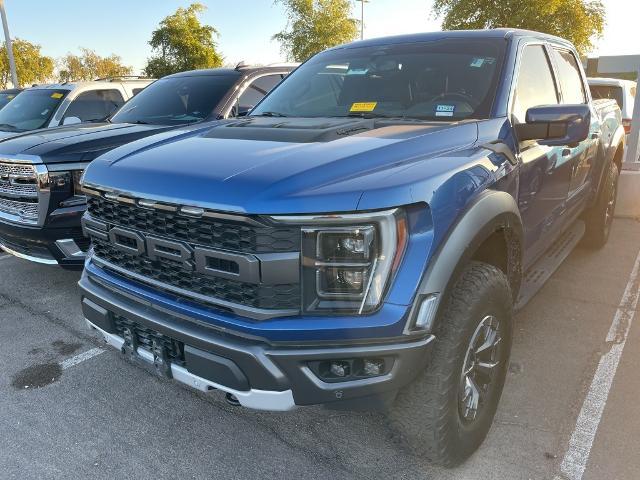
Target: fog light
x=373 y=367
x=339 y=369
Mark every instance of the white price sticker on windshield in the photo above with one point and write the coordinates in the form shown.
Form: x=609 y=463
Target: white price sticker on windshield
x=445 y=110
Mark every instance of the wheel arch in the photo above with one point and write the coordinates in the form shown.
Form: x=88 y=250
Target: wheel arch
x=490 y=231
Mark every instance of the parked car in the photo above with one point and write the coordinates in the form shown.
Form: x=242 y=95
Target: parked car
x=51 y=105
x=622 y=91
x=7 y=95
x=40 y=199
x=362 y=237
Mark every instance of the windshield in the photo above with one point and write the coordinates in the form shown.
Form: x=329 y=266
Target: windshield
x=176 y=100
x=31 y=109
x=438 y=80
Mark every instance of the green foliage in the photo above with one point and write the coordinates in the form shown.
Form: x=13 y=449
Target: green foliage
x=89 y=66
x=31 y=65
x=315 y=25
x=182 y=43
x=579 y=21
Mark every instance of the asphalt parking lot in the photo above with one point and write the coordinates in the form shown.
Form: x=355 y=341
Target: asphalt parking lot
x=73 y=408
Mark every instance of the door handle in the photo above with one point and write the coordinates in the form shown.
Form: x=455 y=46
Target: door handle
x=594 y=135
x=566 y=152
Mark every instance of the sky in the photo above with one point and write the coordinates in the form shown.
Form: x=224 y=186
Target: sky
x=124 y=27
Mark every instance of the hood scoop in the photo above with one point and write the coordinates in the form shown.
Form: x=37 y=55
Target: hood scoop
x=291 y=130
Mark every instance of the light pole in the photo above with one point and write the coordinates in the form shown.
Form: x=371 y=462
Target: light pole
x=7 y=39
x=362 y=2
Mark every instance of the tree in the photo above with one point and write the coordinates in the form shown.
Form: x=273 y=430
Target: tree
x=31 y=65
x=315 y=25
x=183 y=43
x=89 y=66
x=579 y=21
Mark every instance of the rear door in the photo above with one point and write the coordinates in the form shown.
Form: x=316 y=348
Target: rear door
x=545 y=172
x=581 y=156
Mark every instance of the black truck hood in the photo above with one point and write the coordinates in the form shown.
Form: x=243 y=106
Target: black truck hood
x=76 y=143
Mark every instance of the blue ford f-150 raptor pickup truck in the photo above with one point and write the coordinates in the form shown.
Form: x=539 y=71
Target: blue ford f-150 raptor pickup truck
x=40 y=200
x=362 y=238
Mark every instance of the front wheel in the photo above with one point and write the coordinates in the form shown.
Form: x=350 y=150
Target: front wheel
x=599 y=218
x=446 y=413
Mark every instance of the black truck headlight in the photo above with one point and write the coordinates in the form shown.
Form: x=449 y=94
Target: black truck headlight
x=348 y=260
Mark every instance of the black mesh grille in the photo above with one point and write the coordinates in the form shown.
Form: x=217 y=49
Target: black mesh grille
x=216 y=233
x=145 y=337
x=285 y=296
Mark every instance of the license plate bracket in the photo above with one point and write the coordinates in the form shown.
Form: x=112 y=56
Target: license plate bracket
x=161 y=365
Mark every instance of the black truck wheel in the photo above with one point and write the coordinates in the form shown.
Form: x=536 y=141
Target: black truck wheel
x=599 y=218
x=446 y=413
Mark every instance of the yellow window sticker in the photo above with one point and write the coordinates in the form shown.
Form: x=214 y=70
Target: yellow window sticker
x=363 y=106
x=56 y=95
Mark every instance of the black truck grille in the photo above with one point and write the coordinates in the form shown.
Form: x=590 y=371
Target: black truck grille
x=284 y=296
x=212 y=232
x=250 y=237
x=145 y=337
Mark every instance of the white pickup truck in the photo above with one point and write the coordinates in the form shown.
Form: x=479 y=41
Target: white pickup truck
x=51 y=105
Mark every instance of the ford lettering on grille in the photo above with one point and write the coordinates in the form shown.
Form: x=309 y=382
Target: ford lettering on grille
x=237 y=266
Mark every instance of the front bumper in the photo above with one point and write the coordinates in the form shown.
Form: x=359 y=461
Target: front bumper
x=59 y=242
x=261 y=375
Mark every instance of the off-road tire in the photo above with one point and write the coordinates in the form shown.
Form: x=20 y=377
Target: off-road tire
x=598 y=218
x=426 y=415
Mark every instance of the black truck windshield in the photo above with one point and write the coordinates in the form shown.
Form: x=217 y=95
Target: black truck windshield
x=176 y=100
x=30 y=109
x=437 y=80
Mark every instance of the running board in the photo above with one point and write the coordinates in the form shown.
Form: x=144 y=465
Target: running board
x=549 y=262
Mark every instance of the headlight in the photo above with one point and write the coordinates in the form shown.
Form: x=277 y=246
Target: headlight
x=77 y=181
x=69 y=182
x=348 y=260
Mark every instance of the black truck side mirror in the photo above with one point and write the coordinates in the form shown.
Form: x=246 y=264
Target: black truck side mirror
x=556 y=125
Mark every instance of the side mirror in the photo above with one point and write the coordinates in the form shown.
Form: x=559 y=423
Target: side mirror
x=71 y=121
x=556 y=125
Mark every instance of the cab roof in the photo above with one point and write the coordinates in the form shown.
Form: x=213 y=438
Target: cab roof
x=506 y=33
x=240 y=70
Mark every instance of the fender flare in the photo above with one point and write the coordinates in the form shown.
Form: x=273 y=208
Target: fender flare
x=617 y=141
x=492 y=211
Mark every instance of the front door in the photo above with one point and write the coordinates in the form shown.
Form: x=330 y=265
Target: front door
x=545 y=172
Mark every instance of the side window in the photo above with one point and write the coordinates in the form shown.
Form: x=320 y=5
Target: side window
x=256 y=90
x=535 y=83
x=136 y=91
x=569 y=77
x=95 y=105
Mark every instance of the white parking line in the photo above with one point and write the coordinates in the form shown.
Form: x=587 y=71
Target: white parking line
x=576 y=458
x=81 y=357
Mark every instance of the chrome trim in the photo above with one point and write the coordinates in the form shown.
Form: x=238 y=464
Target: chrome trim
x=70 y=248
x=44 y=261
x=255 y=399
x=242 y=310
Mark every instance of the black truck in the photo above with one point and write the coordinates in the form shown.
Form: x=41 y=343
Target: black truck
x=40 y=200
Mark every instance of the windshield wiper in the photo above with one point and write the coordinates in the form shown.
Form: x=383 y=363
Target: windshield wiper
x=270 y=114
x=140 y=122
x=9 y=127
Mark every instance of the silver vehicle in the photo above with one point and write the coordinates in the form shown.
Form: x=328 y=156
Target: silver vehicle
x=51 y=105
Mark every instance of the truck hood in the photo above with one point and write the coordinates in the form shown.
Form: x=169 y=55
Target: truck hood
x=277 y=165
x=74 y=143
